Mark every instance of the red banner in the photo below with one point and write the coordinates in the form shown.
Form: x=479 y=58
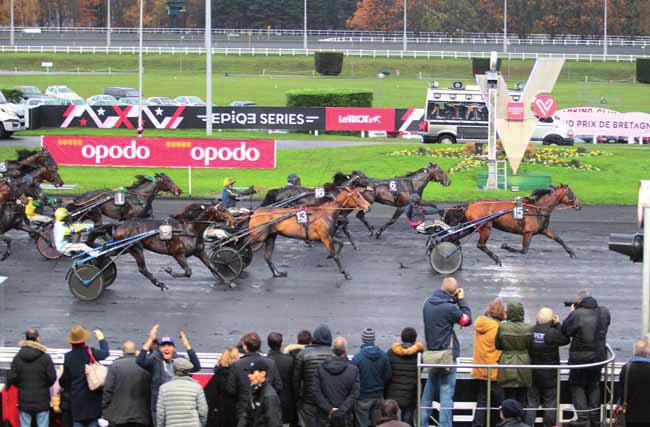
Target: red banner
x=161 y=152
x=515 y=111
x=349 y=118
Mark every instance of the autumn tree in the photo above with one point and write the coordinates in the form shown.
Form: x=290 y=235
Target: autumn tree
x=377 y=15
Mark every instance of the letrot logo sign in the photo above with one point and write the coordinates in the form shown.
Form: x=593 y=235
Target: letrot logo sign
x=347 y=118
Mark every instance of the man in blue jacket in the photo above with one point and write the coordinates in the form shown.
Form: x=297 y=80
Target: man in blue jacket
x=442 y=310
x=374 y=376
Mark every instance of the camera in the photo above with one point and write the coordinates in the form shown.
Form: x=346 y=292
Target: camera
x=569 y=303
x=627 y=244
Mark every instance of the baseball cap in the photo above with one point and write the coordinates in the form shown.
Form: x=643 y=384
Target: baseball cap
x=167 y=340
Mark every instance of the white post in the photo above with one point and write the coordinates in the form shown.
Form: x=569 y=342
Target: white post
x=189 y=181
x=304 y=35
x=605 y=31
x=108 y=23
x=208 y=70
x=404 y=41
x=2 y=310
x=11 y=22
x=140 y=71
x=491 y=183
x=505 y=26
x=646 y=271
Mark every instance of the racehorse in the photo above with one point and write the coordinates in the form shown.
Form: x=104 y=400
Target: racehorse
x=186 y=241
x=266 y=223
x=27 y=161
x=12 y=210
x=138 y=199
x=537 y=215
x=397 y=191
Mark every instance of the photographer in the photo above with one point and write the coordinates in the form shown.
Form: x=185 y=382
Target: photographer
x=587 y=326
x=442 y=310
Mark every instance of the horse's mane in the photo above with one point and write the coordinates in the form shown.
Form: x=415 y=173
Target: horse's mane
x=410 y=174
x=191 y=212
x=23 y=154
x=139 y=180
x=340 y=177
x=537 y=194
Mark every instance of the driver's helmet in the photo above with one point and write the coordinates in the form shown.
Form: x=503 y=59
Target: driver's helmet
x=61 y=213
x=293 y=179
x=228 y=181
x=415 y=198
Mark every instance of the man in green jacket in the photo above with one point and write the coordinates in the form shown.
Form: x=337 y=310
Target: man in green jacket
x=515 y=339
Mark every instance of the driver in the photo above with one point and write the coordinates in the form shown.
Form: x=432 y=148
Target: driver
x=293 y=180
x=230 y=195
x=62 y=231
x=416 y=212
x=31 y=214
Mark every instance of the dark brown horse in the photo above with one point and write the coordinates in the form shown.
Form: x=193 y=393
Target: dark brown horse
x=12 y=210
x=267 y=223
x=187 y=239
x=138 y=201
x=397 y=191
x=28 y=161
x=537 y=216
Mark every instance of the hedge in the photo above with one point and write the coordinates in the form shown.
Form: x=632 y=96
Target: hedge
x=481 y=65
x=328 y=63
x=329 y=98
x=643 y=70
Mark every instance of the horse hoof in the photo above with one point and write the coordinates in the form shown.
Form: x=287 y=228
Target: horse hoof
x=347 y=276
x=280 y=274
x=499 y=264
x=4 y=257
x=572 y=254
x=378 y=235
x=356 y=248
x=232 y=285
x=371 y=233
x=505 y=246
x=168 y=270
x=330 y=256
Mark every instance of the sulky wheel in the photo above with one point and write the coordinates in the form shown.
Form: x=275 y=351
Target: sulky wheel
x=446 y=257
x=109 y=272
x=246 y=254
x=86 y=282
x=227 y=262
x=46 y=247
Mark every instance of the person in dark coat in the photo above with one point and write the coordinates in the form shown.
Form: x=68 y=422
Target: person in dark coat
x=238 y=381
x=304 y=339
x=160 y=363
x=444 y=309
x=221 y=404
x=635 y=376
x=284 y=362
x=374 y=376
x=32 y=373
x=126 y=399
x=587 y=326
x=389 y=414
x=336 y=388
x=85 y=405
x=544 y=350
x=264 y=408
x=512 y=414
x=304 y=372
x=403 y=386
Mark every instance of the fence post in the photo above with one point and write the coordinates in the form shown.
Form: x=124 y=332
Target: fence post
x=488 y=409
x=558 y=404
x=419 y=406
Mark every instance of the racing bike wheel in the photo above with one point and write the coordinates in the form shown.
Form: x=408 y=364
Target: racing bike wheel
x=227 y=262
x=86 y=282
x=446 y=257
x=45 y=245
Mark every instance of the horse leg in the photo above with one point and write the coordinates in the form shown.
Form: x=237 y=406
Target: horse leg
x=269 y=244
x=484 y=235
x=137 y=253
x=205 y=259
x=361 y=216
x=553 y=236
x=7 y=241
x=181 y=259
x=342 y=223
x=396 y=215
x=330 y=244
x=525 y=244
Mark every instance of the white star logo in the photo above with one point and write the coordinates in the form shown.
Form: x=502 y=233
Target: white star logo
x=101 y=111
x=158 y=111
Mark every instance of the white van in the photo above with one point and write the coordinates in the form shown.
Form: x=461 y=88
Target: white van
x=12 y=117
x=459 y=114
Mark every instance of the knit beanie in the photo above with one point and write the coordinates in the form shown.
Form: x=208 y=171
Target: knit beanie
x=512 y=409
x=368 y=336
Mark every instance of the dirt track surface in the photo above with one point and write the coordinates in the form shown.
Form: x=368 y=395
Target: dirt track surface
x=390 y=280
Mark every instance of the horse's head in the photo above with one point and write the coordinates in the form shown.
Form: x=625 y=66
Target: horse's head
x=352 y=198
x=49 y=173
x=166 y=184
x=567 y=197
x=219 y=213
x=436 y=174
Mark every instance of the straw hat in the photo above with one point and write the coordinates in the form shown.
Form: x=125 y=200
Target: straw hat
x=78 y=335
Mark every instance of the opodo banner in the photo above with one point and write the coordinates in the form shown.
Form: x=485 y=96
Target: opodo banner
x=161 y=152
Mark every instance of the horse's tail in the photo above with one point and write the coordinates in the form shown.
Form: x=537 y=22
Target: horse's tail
x=454 y=215
x=271 y=197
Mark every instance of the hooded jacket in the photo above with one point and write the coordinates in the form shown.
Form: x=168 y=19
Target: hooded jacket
x=485 y=352
x=587 y=327
x=403 y=386
x=264 y=408
x=441 y=312
x=336 y=385
x=374 y=371
x=308 y=361
x=221 y=404
x=544 y=350
x=32 y=373
x=293 y=349
x=514 y=338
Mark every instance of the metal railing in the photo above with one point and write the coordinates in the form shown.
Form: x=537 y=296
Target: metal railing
x=606 y=407
x=374 y=53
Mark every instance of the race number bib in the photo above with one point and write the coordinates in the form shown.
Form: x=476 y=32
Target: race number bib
x=319 y=192
x=3 y=167
x=301 y=217
x=392 y=186
x=518 y=212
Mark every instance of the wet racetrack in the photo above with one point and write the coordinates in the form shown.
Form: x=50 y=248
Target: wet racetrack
x=390 y=279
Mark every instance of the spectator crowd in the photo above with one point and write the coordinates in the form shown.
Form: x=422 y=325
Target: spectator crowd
x=316 y=383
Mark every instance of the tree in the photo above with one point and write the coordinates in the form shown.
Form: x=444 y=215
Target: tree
x=377 y=15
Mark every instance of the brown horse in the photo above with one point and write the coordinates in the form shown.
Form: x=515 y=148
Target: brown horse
x=266 y=223
x=12 y=209
x=537 y=215
x=397 y=191
x=28 y=161
x=187 y=239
